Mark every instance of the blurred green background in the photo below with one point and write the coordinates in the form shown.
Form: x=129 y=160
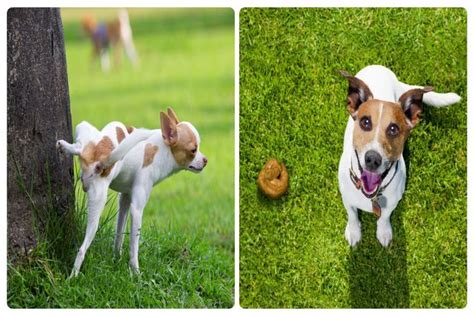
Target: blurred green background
x=186 y=61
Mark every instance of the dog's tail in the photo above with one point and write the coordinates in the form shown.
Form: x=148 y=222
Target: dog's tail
x=432 y=98
x=126 y=145
x=440 y=99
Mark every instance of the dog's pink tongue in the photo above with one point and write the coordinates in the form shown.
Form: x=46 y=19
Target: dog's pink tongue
x=371 y=180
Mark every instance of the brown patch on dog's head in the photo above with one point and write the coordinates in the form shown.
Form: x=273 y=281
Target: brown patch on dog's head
x=384 y=121
x=185 y=148
x=130 y=129
x=394 y=130
x=392 y=122
x=120 y=134
x=358 y=93
x=369 y=113
x=150 y=152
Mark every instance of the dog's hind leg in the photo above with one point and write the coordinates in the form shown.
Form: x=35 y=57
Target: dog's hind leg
x=97 y=196
x=64 y=146
x=139 y=199
x=124 y=206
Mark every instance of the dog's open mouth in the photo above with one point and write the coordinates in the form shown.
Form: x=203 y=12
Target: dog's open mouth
x=370 y=181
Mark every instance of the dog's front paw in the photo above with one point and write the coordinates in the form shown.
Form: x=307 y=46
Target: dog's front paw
x=384 y=232
x=353 y=233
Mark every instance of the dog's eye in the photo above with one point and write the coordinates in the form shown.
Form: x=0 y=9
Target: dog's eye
x=365 y=123
x=393 y=130
x=194 y=150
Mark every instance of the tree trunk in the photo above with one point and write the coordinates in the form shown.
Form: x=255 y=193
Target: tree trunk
x=40 y=181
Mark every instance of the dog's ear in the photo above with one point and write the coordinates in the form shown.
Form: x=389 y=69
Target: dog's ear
x=412 y=104
x=172 y=115
x=357 y=93
x=168 y=129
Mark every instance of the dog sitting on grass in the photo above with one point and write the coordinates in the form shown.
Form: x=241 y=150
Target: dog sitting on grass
x=372 y=173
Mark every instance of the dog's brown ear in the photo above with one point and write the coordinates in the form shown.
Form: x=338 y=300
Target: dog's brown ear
x=173 y=116
x=357 y=93
x=168 y=129
x=412 y=104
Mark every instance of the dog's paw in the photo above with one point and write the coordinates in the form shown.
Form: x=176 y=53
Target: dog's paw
x=384 y=233
x=74 y=273
x=353 y=233
x=134 y=269
x=134 y=272
x=59 y=146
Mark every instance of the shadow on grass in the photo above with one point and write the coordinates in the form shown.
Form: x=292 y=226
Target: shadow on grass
x=378 y=275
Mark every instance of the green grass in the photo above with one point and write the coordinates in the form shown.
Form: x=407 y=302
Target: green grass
x=292 y=106
x=187 y=243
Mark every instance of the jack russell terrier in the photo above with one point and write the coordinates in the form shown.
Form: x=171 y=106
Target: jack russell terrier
x=130 y=161
x=372 y=172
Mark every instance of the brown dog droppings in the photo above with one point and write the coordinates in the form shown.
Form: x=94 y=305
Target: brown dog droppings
x=130 y=129
x=150 y=152
x=120 y=134
x=273 y=179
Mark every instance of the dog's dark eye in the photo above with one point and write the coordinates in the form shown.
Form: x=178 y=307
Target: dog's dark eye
x=393 y=130
x=365 y=123
x=194 y=150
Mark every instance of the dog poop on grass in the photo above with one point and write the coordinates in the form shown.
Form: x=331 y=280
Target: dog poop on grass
x=273 y=179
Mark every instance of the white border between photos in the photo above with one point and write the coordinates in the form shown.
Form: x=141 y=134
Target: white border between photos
x=236 y=5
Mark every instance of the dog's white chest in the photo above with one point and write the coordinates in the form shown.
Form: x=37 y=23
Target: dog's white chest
x=353 y=196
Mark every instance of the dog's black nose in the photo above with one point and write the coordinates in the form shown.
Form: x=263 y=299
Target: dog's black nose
x=373 y=160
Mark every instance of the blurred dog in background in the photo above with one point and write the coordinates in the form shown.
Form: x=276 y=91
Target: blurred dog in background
x=115 y=35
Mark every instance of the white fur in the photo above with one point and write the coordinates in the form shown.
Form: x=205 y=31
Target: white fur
x=128 y=176
x=385 y=86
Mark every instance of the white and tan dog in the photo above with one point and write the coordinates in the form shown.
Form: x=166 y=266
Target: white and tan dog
x=372 y=172
x=130 y=161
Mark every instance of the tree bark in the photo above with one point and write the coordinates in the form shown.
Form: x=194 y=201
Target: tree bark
x=40 y=181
